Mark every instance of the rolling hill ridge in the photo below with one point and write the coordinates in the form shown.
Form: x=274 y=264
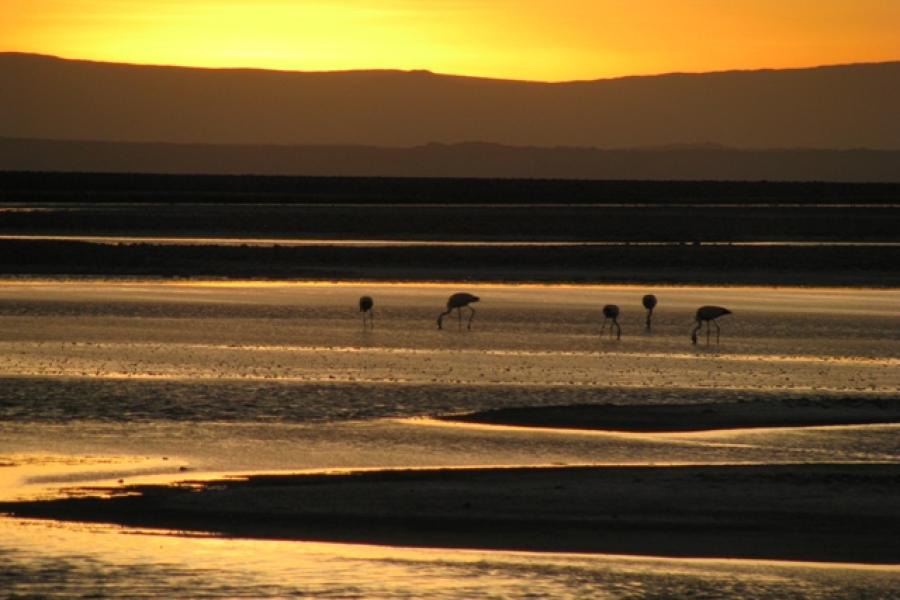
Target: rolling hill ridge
x=838 y=107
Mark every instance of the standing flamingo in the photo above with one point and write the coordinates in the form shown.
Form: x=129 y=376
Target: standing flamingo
x=459 y=301
x=649 y=303
x=708 y=314
x=365 y=307
x=611 y=313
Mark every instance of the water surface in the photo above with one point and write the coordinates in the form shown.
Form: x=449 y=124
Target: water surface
x=102 y=381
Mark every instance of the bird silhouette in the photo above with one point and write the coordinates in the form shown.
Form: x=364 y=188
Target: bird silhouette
x=708 y=314
x=365 y=307
x=459 y=301
x=649 y=303
x=611 y=313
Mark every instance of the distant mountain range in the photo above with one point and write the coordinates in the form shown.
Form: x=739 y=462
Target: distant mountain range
x=838 y=107
x=839 y=123
x=701 y=162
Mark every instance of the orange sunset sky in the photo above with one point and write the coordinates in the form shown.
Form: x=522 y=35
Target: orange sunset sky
x=547 y=40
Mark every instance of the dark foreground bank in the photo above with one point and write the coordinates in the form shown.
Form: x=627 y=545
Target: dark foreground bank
x=701 y=232
x=789 y=412
x=123 y=186
x=843 y=513
x=671 y=264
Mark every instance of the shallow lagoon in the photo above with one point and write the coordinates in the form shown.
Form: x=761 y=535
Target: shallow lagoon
x=136 y=380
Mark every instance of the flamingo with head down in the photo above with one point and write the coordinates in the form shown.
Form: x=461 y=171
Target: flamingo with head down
x=458 y=302
x=709 y=314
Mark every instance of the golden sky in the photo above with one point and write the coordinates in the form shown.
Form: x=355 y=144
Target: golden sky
x=522 y=39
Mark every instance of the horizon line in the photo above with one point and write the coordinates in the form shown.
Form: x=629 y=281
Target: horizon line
x=673 y=147
x=428 y=72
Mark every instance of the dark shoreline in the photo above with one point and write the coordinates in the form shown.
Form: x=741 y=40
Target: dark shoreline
x=513 y=220
x=829 y=513
x=801 y=412
x=694 y=223
x=61 y=186
x=677 y=265
x=817 y=512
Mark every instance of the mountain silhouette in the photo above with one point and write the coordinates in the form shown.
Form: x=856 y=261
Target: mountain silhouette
x=835 y=107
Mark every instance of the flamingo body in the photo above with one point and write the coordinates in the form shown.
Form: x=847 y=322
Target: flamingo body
x=649 y=302
x=709 y=314
x=459 y=301
x=611 y=314
x=365 y=307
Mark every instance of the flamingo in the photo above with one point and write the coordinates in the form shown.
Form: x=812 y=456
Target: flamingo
x=365 y=307
x=649 y=303
x=611 y=312
x=459 y=301
x=708 y=314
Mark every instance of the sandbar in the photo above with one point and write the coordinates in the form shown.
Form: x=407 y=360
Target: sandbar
x=776 y=412
x=821 y=512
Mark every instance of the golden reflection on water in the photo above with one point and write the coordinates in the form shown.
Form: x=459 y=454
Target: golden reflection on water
x=479 y=362
x=284 y=553
x=220 y=566
x=87 y=281
x=46 y=476
x=605 y=353
x=134 y=562
x=92 y=350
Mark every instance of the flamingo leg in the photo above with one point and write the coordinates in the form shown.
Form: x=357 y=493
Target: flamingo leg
x=649 y=316
x=718 y=330
x=618 y=330
x=707 y=332
x=459 y=316
x=471 y=316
